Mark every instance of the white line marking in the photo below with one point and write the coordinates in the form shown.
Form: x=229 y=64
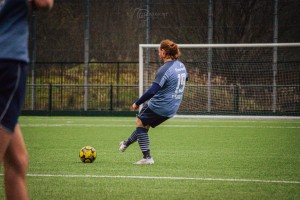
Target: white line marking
x=162 y=177
x=235 y=117
x=132 y=120
x=166 y=126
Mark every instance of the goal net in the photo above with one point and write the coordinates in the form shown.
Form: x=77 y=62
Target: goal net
x=239 y=79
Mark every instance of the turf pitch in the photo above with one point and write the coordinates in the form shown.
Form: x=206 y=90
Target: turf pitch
x=194 y=159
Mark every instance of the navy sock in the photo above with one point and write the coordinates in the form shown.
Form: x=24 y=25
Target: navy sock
x=132 y=138
x=143 y=140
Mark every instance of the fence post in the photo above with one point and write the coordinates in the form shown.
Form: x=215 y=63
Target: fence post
x=236 y=97
x=275 y=56
x=33 y=59
x=111 y=98
x=118 y=82
x=86 y=52
x=50 y=98
x=209 y=53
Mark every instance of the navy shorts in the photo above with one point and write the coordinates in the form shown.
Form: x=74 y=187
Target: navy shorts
x=148 y=117
x=12 y=91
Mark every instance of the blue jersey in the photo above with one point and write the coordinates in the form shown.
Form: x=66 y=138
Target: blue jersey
x=171 y=77
x=14 y=30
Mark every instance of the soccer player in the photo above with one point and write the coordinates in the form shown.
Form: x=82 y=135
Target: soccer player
x=13 y=69
x=164 y=97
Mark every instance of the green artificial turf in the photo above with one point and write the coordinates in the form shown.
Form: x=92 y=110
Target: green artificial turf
x=194 y=159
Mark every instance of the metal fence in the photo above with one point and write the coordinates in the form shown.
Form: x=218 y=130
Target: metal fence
x=84 y=53
x=226 y=99
x=54 y=97
x=245 y=88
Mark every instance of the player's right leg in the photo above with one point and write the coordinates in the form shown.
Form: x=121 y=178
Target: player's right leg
x=5 y=95
x=146 y=119
x=5 y=138
x=134 y=135
x=131 y=139
x=16 y=161
x=13 y=153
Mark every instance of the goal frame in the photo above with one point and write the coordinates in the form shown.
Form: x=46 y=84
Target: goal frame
x=210 y=46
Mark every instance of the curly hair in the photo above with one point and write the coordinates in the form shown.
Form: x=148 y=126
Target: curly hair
x=171 y=49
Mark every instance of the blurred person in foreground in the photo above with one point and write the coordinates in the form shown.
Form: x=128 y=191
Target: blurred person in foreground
x=14 y=59
x=165 y=96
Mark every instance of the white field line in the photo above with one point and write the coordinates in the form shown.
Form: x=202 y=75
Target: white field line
x=182 y=118
x=166 y=126
x=161 y=177
x=257 y=117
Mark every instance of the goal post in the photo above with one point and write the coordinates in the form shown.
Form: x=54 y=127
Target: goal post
x=237 y=72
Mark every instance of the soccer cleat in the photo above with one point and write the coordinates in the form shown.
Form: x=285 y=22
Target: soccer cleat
x=123 y=146
x=145 y=161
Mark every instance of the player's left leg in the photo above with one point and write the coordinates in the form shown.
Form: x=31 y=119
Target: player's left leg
x=133 y=137
x=145 y=120
x=15 y=162
x=144 y=143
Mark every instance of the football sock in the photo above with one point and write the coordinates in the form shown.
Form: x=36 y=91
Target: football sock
x=132 y=138
x=146 y=154
x=143 y=140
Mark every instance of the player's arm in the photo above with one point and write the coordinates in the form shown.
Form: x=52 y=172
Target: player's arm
x=147 y=95
x=41 y=4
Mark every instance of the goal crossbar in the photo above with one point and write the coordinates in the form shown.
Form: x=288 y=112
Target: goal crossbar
x=226 y=45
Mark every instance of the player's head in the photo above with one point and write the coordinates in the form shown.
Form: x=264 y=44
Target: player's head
x=168 y=50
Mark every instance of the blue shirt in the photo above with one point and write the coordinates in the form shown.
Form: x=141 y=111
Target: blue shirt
x=171 y=77
x=14 y=30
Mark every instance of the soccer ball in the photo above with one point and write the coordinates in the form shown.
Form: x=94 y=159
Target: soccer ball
x=88 y=154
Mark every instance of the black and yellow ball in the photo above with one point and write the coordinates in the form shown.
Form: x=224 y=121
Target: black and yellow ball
x=88 y=154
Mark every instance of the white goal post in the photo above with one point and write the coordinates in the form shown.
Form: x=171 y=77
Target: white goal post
x=209 y=48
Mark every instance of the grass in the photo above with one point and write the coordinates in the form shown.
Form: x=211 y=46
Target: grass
x=215 y=159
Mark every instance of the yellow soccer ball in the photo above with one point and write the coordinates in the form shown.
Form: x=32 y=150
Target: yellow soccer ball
x=87 y=154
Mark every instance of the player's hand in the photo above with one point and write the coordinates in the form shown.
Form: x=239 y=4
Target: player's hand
x=135 y=107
